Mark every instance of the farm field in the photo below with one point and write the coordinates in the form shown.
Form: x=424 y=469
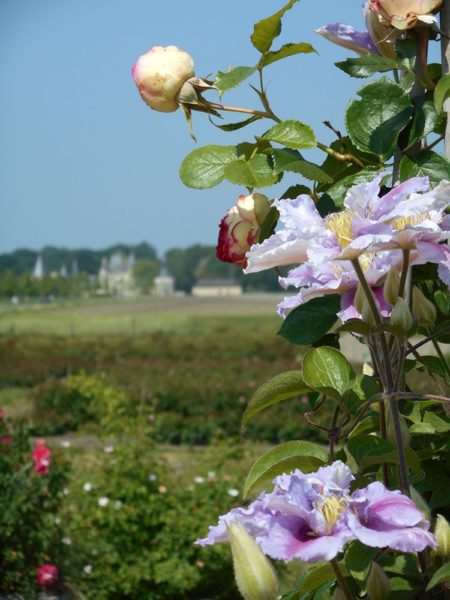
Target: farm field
x=140 y=403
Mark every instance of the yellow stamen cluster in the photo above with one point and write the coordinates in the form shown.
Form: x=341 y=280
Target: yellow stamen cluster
x=412 y=221
x=340 y=224
x=331 y=508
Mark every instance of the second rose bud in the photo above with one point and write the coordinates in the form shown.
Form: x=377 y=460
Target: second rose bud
x=241 y=228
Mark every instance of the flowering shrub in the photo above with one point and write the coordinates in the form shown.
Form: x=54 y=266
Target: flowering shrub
x=31 y=492
x=131 y=528
x=366 y=243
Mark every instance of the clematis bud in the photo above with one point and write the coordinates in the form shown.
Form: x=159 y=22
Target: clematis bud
x=404 y=14
x=254 y=574
x=377 y=583
x=401 y=316
x=159 y=75
x=442 y=535
x=241 y=227
x=391 y=286
x=422 y=308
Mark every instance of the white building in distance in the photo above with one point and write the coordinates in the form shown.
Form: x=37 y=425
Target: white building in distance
x=116 y=274
x=164 y=284
x=38 y=269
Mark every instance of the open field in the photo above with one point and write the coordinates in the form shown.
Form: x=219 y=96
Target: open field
x=134 y=316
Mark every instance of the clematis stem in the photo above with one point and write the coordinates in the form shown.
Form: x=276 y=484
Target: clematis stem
x=341 y=580
x=402 y=464
x=429 y=338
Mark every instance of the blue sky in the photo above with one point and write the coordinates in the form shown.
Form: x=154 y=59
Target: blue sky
x=85 y=163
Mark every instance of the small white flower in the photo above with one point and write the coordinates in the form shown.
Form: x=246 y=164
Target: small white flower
x=103 y=501
x=152 y=477
x=233 y=492
x=57 y=520
x=108 y=449
x=199 y=479
x=67 y=541
x=65 y=491
x=65 y=444
x=118 y=504
x=87 y=569
x=87 y=487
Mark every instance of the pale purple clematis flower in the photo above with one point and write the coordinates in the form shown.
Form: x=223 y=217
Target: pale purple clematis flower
x=347 y=37
x=312 y=516
x=372 y=228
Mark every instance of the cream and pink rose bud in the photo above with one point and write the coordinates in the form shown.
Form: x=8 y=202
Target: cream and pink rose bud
x=160 y=74
x=241 y=227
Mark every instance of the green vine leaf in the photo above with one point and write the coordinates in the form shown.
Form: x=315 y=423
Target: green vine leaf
x=290 y=160
x=327 y=371
x=426 y=119
x=283 y=459
x=284 y=52
x=365 y=66
x=226 y=80
x=276 y=389
x=375 y=122
x=204 y=167
x=292 y=134
x=256 y=172
x=309 y=322
x=266 y=30
x=426 y=163
x=441 y=576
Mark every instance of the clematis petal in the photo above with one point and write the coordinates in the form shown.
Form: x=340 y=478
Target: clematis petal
x=289 y=538
x=347 y=37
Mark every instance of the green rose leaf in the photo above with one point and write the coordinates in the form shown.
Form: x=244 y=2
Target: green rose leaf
x=276 y=389
x=367 y=65
x=327 y=370
x=204 y=167
x=425 y=164
x=238 y=124
x=425 y=120
x=283 y=459
x=292 y=134
x=256 y=172
x=441 y=576
x=309 y=322
x=266 y=30
x=284 y=52
x=441 y=92
x=226 y=80
x=375 y=122
x=338 y=190
x=290 y=160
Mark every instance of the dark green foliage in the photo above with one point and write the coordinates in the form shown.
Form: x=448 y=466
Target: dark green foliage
x=29 y=533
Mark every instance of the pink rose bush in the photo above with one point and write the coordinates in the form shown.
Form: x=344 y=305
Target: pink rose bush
x=312 y=516
x=372 y=229
x=41 y=457
x=240 y=228
x=47 y=574
x=160 y=74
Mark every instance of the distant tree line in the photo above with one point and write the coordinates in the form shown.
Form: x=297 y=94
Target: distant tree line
x=81 y=267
